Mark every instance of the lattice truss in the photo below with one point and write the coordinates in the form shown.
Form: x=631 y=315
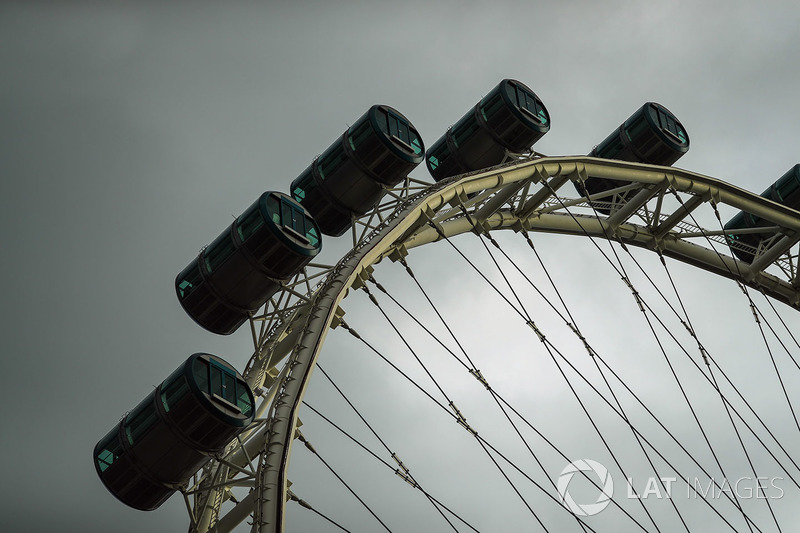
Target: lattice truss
x=655 y=208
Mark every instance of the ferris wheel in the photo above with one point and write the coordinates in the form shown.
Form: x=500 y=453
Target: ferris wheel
x=622 y=195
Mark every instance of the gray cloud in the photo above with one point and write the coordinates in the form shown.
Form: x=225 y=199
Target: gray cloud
x=131 y=134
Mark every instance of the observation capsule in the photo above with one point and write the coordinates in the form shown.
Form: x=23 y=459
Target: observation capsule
x=511 y=118
x=352 y=175
x=238 y=272
x=651 y=135
x=785 y=191
x=168 y=437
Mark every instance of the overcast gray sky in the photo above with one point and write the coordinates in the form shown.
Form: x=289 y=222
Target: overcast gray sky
x=131 y=134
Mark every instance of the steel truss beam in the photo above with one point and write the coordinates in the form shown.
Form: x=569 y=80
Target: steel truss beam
x=518 y=196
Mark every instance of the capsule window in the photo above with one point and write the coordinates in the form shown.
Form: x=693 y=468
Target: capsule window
x=243 y=402
x=286 y=215
x=273 y=209
x=105 y=459
x=140 y=420
x=786 y=186
x=439 y=155
x=634 y=129
x=527 y=102
x=110 y=450
x=171 y=393
x=190 y=282
x=200 y=371
x=229 y=387
x=311 y=233
x=305 y=184
x=359 y=133
x=294 y=219
x=743 y=220
x=490 y=107
x=219 y=251
x=662 y=119
x=610 y=150
x=522 y=97
x=394 y=126
x=416 y=145
x=540 y=112
x=667 y=122
x=289 y=215
x=331 y=160
x=670 y=125
x=248 y=224
x=464 y=129
x=216 y=381
x=221 y=382
x=400 y=129
x=382 y=120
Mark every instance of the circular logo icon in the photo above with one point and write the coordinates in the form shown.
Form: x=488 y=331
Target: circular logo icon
x=585 y=465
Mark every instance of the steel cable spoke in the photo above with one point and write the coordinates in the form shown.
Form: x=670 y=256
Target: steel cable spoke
x=549 y=346
x=477 y=270
x=452 y=404
x=375 y=433
x=410 y=480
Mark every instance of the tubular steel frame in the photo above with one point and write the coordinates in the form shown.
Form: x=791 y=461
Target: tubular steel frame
x=522 y=196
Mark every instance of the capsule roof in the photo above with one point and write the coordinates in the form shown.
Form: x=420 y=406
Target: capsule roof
x=667 y=126
x=525 y=105
x=397 y=132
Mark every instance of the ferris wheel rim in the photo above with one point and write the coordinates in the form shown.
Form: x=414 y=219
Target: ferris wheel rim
x=302 y=336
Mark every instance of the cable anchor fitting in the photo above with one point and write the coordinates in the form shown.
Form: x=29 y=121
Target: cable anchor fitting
x=302 y=439
x=529 y=241
x=400 y=463
x=741 y=287
x=703 y=354
x=689 y=329
x=491 y=240
x=462 y=421
x=408 y=268
x=536 y=329
x=634 y=292
x=477 y=374
x=371 y=296
x=350 y=330
x=755 y=312
x=407 y=478
x=377 y=285
x=293 y=497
